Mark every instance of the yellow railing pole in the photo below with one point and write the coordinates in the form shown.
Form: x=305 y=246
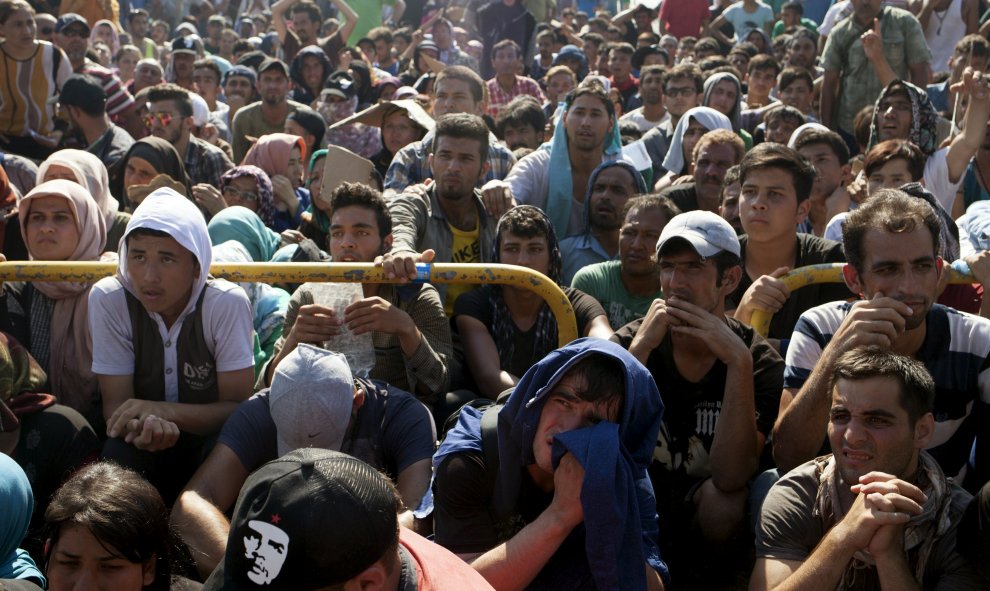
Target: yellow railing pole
x=328 y=272
x=825 y=273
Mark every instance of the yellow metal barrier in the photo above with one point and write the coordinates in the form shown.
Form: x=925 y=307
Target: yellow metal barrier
x=826 y=273
x=328 y=272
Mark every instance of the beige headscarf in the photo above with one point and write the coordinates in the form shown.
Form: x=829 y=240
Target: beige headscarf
x=71 y=347
x=91 y=173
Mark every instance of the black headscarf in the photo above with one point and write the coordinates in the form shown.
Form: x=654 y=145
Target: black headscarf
x=157 y=152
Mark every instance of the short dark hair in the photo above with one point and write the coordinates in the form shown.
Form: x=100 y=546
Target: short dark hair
x=122 y=510
x=9 y=7
x=405 y=33
x=814 y=137
x=464 y=74
x=689 y=72
x=888 y=210
x=209 y=64
x=361 y=195
x=773 y=155
x=312 y=122
x=136 y=12
x=596 y=39
x=310 y=8
x=884 y=152
x=651 y=201
x=731 y=178
x=521 y=111
x=973 y=44
x=174 y=93
x=625 y=48
x=763 y=62
x=381 y=33
x=652 y=69
x=591 y=87
x=790 y=75
x=524 y=222
x=504 y=44
x=802 y=33
x=793 y=6
x=708 y=44
x=917 y=388
x=605 y=380
x=463 y=126
x=785 y=112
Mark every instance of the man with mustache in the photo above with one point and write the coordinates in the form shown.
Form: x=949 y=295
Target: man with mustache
x=722 y=384
x=891 y=243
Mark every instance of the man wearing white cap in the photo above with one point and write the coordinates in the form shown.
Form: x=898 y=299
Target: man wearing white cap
x=723 y=381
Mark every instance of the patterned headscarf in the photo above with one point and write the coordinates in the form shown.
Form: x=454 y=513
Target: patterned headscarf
x=546 y=324
x=924 y=118
x=266 y=199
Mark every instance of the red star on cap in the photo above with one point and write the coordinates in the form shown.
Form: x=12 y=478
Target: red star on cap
x=276 y=518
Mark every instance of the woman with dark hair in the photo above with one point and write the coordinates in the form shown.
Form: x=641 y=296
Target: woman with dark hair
x=31 y=72
x=147 y=158
x=108 y=525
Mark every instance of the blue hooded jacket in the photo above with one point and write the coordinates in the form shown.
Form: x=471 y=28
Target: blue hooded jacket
x=617 y=496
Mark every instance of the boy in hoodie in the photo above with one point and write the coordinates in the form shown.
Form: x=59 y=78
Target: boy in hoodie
x=172 y=348
x=612 y=184
x=538 y=520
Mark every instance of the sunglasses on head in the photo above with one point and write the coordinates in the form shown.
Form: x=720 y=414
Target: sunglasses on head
x=164 y=118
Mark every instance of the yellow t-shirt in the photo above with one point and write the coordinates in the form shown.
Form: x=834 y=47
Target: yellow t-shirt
x=466 y=249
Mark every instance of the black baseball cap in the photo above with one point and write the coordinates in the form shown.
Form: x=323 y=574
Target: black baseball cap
x=84 y=91
x=69 y=19
x=340 y=84
x=310 y=519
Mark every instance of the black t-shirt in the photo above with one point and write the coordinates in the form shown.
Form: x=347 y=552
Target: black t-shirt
x=684 y=196
x=476 y=305
x=691 y=409
x=391 y=431
x=811 y=250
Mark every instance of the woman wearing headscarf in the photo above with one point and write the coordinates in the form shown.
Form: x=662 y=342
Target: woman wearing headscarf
x=309 y=71
x=87 y=170
x=148 y=157
x=316 y=219
x=398 y=130
x=10 y=229
x=418 y=67
x=678 y=161
x=267 y=303
x=339 y=101
x=723 y=92
x=60 y=222
x=281 y=156
x=505 y=329
x=245 y=227
x=17 y=501
x=247 y=186
x=105 y=31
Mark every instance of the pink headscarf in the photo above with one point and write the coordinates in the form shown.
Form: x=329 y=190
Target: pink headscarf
x=71 y=347
x=271 y=152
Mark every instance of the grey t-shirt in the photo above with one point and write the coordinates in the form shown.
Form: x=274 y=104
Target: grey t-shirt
x=789 y=530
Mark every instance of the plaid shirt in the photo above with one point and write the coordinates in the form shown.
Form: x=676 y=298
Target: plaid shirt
x=206 y=163
x=411 y=164
x=498 y=97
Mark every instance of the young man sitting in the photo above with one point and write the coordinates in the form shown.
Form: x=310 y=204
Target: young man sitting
x=172 y=347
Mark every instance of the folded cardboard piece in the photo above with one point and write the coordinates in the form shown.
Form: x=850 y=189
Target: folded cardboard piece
x=344 y=166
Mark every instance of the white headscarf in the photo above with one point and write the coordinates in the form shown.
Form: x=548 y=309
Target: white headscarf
x=707 y=117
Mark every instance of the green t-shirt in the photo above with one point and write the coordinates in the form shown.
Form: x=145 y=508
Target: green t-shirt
x=904 y=45
x=603 y=282
x=369 y=16
x=807 y=23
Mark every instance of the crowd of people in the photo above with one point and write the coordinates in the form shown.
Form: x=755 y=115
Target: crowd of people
x=666 y=164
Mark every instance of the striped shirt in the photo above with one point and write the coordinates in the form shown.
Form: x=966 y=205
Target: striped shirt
x=27 y=86
x=956 y=351
x=119 y=100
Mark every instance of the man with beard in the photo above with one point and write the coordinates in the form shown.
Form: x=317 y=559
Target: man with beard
x=267 y=115
x=448 y=221
x=652 y=113
x=722 y=385
x=170 y=117
x=520 y=123
x=556 y=179
x=850 y=81
x=239 y=84
x=611 y=186
x=802 y=52
x=72 y=36
x=627 y=287
x=137 y=26
x=84 y=102
x=891 y=243
x=878 y=513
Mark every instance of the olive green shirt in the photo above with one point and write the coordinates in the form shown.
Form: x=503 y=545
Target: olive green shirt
x=903 y=44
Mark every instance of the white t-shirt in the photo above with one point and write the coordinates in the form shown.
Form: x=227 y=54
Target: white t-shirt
x=743 y=22
x=227 y=328
x=644 y=124
x=937 y=179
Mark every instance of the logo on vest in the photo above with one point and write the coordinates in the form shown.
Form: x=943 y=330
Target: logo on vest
x=199 y=377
